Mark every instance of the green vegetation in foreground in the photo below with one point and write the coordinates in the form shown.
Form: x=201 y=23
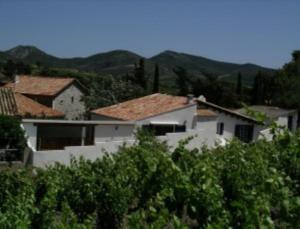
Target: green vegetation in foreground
x=150 y=186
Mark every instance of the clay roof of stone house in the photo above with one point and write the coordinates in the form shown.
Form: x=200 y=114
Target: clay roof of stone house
x=206 y=113
x=8 y=104
x=40 y=85
x=16 y=104
x=30 y=108
x=144 y=107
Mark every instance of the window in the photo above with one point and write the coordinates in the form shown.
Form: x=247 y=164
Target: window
x=220 y=128
x=72 y=99
x=160 y=130
x=244 y=133
x=290 y=122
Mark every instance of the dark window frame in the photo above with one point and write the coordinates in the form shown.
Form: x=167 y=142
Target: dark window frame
x=220 y=128
x=244 y=132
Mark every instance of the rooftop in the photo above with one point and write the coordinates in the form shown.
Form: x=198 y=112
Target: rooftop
x=30 y=108
x=40 y=85
x=144 y=107
x=204 y=103
x=269 y=111
x=16 y=104
x=8 y=104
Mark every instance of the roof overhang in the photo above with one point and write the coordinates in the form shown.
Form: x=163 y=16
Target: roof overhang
x=164 y=123
x=76 y=122
x=229 y=112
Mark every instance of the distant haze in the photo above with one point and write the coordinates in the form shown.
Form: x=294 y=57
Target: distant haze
x=259 y=31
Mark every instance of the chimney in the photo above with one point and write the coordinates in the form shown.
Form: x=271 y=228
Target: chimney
x=202 y=98
x=190 y=99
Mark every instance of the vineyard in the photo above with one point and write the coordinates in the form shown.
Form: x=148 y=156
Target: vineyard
x=150 y=186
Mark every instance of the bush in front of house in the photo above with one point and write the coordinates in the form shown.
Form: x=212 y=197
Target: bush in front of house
x=150 y=186
x=11 y=134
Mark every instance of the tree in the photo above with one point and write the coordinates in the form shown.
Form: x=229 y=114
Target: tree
x=239 y=84
x=182 y=81
x=11 y=133
x=156 y=79
x=258 y=89
x=9 y=69
x=139 y=74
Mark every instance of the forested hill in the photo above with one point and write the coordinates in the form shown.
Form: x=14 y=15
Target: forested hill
x=120 y=62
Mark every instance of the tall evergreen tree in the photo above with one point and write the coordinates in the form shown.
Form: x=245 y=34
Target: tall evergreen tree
x=258 y=89
x=139 y=74
x=182 y=81
x=9 y=69
x=239 y=84
x=156 y=79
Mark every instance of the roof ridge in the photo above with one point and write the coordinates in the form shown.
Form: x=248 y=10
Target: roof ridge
x=50 y=77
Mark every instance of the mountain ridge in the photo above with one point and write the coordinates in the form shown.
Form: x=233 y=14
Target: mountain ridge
x=119 y=62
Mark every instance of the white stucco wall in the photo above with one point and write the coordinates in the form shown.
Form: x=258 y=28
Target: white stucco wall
x=30 y=134
x=229 y=126
x=113 y=132
x=63 y=102
x=283 y=120
x=44 y=158
x=184 y=116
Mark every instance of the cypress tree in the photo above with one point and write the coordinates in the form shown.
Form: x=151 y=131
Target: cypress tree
x=182 y=81
x=156 y=79
x=139 y=74
x=258 y=89
x=239 y=84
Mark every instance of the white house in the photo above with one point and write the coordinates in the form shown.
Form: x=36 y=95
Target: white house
x=58 y=93
x=171 y=118
x=158 y=112
x=237 y=123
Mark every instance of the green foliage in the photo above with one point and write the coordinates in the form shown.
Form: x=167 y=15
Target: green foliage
x=155 y=88
x=150 y=186
x=11 y=133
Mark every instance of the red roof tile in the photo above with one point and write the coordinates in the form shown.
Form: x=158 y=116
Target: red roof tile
x=144 y=107
x=28 y=107
x=40 y=85
x=8 y=104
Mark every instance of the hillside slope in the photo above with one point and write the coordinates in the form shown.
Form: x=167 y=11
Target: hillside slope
x=120 y=62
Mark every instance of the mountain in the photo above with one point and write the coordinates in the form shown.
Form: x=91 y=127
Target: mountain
x=120 y=62
x=199 y=66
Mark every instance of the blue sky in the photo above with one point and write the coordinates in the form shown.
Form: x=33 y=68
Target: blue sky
x=264 y=32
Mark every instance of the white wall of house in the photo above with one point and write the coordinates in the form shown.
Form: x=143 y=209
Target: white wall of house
x=283 y=120
x=229 y=126
x=46 y=158
x=50 y=157
x=70 y=102
x=113 y=132
x=184 y=116
x=31 y=134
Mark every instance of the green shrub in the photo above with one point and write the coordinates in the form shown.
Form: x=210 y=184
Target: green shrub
x=150 y=186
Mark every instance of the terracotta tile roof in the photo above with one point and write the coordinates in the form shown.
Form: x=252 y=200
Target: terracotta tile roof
x=8 y=104
x=30 y=108
x=206 y=113
x=144 y=107
x=40 y=85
